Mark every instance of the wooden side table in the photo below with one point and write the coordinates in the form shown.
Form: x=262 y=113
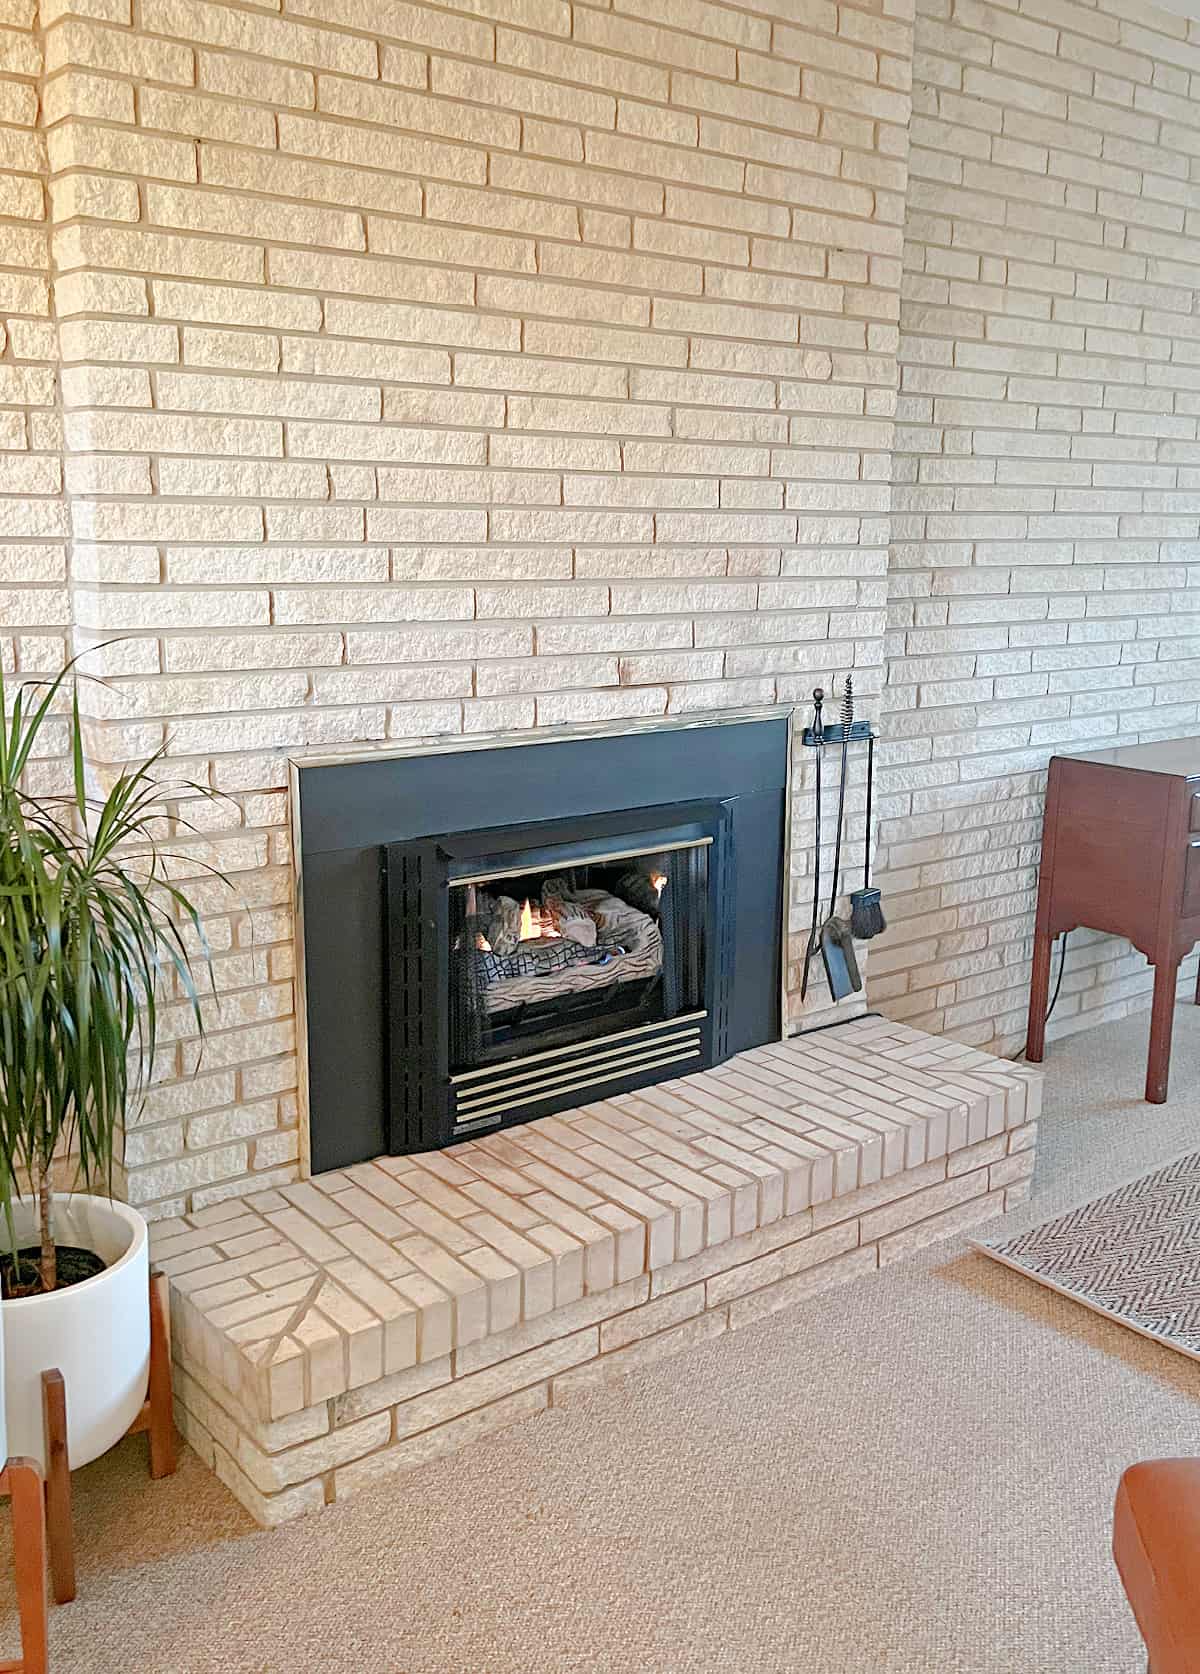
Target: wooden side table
x=1121 y=853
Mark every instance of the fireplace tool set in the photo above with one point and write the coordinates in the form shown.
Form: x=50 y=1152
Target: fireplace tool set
x=834 y=935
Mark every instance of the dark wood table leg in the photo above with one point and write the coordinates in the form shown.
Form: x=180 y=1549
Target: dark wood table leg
x=1162 y=1016
x=1039 y=993
x=60 y=1528
x=23 y=1480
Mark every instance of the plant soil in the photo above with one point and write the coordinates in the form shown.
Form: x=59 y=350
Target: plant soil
x=74 y=1265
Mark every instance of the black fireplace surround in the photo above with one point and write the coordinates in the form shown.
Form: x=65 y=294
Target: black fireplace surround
x=493 y=933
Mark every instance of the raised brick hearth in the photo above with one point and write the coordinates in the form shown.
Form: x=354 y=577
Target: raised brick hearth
x=331 y=1332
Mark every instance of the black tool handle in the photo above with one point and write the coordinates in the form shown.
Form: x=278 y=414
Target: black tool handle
x=818 y=734
x=870 y=789
x=847 y=723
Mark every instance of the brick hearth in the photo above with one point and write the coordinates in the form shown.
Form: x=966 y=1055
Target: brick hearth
x=330 y=1332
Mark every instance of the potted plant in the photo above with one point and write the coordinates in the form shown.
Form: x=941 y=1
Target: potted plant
x=89 y=925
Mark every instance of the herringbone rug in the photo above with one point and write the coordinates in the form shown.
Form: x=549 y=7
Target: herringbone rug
x=1133 y=1254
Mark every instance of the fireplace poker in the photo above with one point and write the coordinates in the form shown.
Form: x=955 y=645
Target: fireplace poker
x=818 y=738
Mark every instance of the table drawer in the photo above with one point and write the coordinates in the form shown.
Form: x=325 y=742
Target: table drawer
x=1191 y=881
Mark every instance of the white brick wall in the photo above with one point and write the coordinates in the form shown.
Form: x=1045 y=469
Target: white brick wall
x=427 y=372
x=1048 y=477
x=34 y=610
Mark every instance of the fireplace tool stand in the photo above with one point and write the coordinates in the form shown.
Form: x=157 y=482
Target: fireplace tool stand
x=834 y=935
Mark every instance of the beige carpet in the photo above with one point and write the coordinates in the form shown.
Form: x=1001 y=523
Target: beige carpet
x=912 y=1475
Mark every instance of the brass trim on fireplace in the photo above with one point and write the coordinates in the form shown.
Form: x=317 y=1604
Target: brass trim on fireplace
x=582 y=1045
x=385 y=750
x=495 y=874
x=504 y=1081
x=471 y=1124
x=678 y=1051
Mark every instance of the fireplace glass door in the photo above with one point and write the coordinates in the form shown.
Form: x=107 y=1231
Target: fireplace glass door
x=578 y=954
x=558 y=953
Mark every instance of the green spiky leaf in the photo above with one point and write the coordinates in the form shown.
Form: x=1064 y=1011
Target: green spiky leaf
x=89 y=927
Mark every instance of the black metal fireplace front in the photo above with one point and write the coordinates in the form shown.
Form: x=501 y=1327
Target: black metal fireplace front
x=496 y=931
x=536 y=967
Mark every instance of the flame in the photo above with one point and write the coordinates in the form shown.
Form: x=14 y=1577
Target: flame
x=659 y=882
x=536 y=924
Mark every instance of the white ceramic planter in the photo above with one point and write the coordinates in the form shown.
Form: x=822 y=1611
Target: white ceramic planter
x=97 y=1333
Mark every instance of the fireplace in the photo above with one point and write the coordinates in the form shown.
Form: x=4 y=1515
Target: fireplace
x=552 y=960
x=503 y=929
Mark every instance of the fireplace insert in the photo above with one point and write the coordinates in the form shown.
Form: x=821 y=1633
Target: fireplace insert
x=531 y=967
x=491 y=931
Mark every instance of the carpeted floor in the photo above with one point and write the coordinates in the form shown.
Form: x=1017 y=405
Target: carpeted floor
x=912 y=1475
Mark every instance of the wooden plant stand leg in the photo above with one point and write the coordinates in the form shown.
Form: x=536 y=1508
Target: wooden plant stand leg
x=60 y=1528
x=157 y=1415
x=23 y=1480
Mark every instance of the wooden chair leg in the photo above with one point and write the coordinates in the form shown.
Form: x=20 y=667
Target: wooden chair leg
x=23 y=1480
x=162 y=1418
x=60 y=1527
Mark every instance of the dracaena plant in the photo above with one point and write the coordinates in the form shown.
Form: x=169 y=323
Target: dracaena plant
x=90 y=925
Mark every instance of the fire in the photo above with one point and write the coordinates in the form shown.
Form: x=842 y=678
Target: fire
x=536 y=923
x=659 y=882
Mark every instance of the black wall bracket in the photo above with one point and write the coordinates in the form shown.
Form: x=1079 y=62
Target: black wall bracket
x=832 y=734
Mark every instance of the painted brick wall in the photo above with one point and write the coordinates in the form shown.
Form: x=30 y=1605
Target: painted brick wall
x=430 y=371
x=426 y=372
x=1045 y=558
x=34 y=611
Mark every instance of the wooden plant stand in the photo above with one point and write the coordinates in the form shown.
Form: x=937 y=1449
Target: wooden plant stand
x=41 y=1506
x=22 y=1480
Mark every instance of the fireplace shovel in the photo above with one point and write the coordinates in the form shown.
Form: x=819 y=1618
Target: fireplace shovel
x=866 y=904
x=837 y=943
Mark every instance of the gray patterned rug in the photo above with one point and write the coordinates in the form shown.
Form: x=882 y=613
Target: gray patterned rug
x=1133 y=1254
